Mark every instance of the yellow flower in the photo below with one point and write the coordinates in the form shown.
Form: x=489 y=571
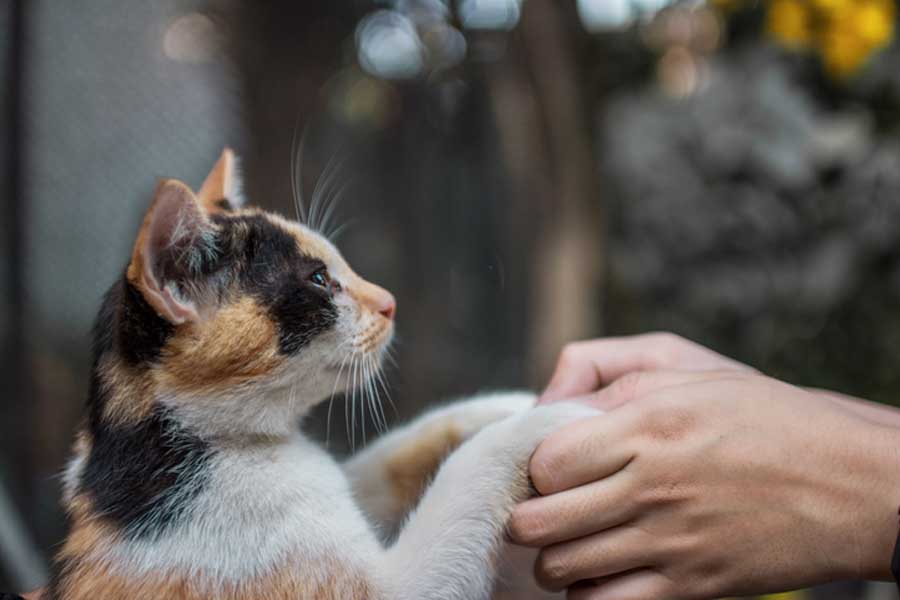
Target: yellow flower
x=798 y=595
x=790 y=22
x=831 y=6
x=874 y=22
x=843 y=52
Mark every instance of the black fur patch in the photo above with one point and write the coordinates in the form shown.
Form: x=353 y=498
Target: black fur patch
x=224 y=204
x=144 y=477
x=270 y=267
x=141 y=332
x=5 y=596
x=300 y=316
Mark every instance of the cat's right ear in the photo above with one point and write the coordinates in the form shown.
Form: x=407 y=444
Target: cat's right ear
x=221 y=191
x=175 y=238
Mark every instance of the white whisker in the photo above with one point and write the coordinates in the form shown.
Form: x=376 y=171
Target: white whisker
x=331 y=400
x=353 y=402
x=331 y=205
x=297 y=171
x=326 y=179
x=373 y=393
x=379 y=378
x=339 y=230
x=365 y=399
x=379 y=404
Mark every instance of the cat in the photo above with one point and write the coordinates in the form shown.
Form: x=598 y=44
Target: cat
x=190 y=478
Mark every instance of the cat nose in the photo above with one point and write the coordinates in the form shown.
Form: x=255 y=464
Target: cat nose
x=378 y=299
x=389 y=307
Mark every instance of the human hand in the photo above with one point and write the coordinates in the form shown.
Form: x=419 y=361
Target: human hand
x=584 y=367
x=704 y=484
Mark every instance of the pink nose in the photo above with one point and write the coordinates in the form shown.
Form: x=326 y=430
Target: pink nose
x=388 y=306
x=375 y=298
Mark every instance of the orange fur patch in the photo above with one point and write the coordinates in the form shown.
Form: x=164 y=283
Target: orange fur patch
x=92 y=578
x=130 y=392
x=410 y=468
x=89 y=580
x=239 y=344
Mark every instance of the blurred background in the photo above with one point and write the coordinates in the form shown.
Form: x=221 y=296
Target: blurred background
x=519 y=174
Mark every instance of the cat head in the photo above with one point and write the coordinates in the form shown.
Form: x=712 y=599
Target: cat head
x=232 y=318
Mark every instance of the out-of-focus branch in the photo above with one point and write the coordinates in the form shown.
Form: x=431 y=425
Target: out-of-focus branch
x=568 y=271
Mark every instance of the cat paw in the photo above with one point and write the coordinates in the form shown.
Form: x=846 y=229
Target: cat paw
x=472 y=415
x=530 y=428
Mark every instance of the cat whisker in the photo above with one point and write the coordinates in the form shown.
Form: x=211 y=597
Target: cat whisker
x=372 y=393
x=332 y=170
x=364 y=396
x=331 y=204
x=350 y=411
x=297 y=171
x=333 y=236
x=379 y=377
x=331 y=400
x=376 y=380
x=291 y=398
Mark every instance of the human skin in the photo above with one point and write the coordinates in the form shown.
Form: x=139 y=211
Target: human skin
x=706 y=479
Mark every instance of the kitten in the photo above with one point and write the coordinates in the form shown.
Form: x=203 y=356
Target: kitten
x=190 y=480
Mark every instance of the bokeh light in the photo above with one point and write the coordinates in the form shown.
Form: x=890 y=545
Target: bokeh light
x=389 y=45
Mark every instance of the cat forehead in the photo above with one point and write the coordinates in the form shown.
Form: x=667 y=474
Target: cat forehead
x=309 y=242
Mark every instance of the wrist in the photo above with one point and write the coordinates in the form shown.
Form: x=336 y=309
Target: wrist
x=878 y=500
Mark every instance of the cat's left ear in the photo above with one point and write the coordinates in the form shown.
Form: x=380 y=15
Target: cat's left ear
x=174 y=245
x=222 y=189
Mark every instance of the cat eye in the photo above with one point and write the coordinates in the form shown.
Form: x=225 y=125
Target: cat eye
x=320 y=278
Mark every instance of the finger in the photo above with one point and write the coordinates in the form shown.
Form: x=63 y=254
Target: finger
x=584 y=451
x=636 y=585
x=573 y=513
x=638 y=384
x=599 y=555
x=583 y=367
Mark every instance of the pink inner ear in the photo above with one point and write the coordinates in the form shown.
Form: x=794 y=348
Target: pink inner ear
x=177 y=223
x=167 y=304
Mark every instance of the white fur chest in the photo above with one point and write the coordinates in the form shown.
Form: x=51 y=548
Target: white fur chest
x=264 y=507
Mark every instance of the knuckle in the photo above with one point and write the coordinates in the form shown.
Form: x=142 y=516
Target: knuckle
x=628 y=386
x=527 y=526
x=667 y=338
x=543 y=467
x=549 y=459
x=666 y=348
x=569 y=354
x=551 y=569
x=669 y=421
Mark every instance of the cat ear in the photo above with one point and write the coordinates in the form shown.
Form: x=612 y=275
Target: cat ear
x=222 y=189
x=175 y=239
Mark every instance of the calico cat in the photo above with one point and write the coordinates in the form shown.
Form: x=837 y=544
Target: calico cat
x=190 y=480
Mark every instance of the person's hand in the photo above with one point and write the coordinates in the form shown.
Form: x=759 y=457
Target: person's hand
x=584 y=367
x=704 y=484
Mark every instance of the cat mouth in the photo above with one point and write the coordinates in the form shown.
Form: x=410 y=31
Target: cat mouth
x=370 y=345
x=375 y=339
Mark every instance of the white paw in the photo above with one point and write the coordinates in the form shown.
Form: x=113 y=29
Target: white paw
x=531 y=427
x=474 y=414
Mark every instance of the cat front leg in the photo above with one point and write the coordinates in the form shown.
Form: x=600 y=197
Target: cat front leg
x=448 y=548
x=389 y=476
